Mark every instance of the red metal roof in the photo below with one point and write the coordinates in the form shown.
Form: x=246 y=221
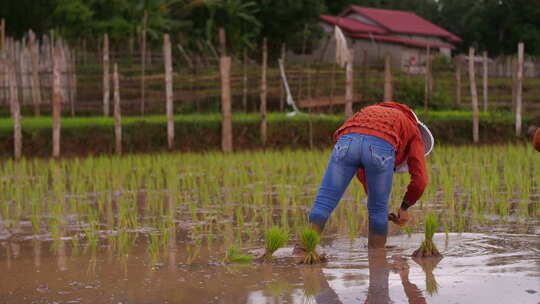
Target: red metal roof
x=399 y=40
x=402 y=22
x=352 y=25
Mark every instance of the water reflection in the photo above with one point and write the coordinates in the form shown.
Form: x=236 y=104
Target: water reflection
x=380 y=267
x=428 y=265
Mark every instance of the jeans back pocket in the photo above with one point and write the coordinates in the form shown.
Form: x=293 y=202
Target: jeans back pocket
x=341 y=148
x=382 y=157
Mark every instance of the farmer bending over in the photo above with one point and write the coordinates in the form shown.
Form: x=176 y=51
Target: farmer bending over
x=376 y=142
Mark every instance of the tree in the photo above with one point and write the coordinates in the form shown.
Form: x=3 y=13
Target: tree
x=285 y=21
x=238 y=19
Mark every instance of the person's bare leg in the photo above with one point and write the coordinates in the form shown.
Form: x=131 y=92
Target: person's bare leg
x=376 y=241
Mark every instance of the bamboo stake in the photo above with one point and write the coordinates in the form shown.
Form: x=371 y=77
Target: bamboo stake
x=349 y=84
x=226 y=137
x=309 y=78
x=117 y=112
x=365 y=69
x=131 y=49
x=15 y=110
x=282 y=88
x=68 y=72
x=245 y=82
x=73 y=84
x=458 y=61
x=222 y=42
x=519 y=88
x=428 y=83
x=332 y=86
x=225 y=73
x=143 y=60
x=56 y=99
x=264 y=92
x=474 y=96
x=387 y=78
x=485 y=80
x=302 y=74
x=84 y=51
x=106 y=77
x=513 y=64
x=167 y=54
x=36 y=88
x=2 y=35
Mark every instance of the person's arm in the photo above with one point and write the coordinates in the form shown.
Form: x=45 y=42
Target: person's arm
x=416 y=162
x=361 y=175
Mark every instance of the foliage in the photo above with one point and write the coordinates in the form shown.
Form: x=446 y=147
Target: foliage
x=430 y=225
x=285 y=21
x=496 y=26
x=441 y=63
x=428 y=248
x=310 y=239
x=237 y=18
x=233 y=255
x=274 y=239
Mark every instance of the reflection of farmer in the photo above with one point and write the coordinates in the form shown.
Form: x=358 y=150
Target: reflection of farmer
x=379 y=290
x=375 y=142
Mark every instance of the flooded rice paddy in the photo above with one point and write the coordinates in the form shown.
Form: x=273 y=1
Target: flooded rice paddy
x=155 y=229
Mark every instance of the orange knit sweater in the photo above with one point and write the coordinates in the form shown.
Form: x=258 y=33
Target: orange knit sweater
x=396 y=124
x=536 y=140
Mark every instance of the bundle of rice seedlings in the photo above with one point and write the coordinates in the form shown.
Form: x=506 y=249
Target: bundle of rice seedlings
x=310 y=239
x=274 y=239
x=428 y=249
x=233 y=255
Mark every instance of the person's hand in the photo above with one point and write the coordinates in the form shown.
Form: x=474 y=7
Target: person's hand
x=401 y=218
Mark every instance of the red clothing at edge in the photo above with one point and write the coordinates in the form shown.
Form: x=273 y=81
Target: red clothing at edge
x=396 y=124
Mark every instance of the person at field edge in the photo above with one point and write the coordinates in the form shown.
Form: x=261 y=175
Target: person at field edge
x=377 y=141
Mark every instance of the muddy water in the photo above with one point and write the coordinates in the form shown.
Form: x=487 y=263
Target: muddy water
x=476 y=268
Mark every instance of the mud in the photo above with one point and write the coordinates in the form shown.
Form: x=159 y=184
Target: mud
x=477 y=268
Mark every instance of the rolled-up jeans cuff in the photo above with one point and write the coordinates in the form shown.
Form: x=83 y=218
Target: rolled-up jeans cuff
x=317 y=219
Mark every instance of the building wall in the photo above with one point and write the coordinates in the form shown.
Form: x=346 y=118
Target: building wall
x=423 y=38
x=401 y=55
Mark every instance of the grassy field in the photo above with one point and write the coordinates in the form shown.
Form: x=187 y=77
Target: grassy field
x=232 y=199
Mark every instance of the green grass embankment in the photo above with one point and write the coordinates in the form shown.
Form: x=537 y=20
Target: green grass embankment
x=202 y=132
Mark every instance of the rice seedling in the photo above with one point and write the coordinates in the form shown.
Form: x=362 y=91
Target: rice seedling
x=224 y=199
x=428 y=248
x=274 y=238
x=233 y=255
x=310 y=239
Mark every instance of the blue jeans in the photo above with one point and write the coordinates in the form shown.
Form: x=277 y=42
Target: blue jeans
x=351 y=152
